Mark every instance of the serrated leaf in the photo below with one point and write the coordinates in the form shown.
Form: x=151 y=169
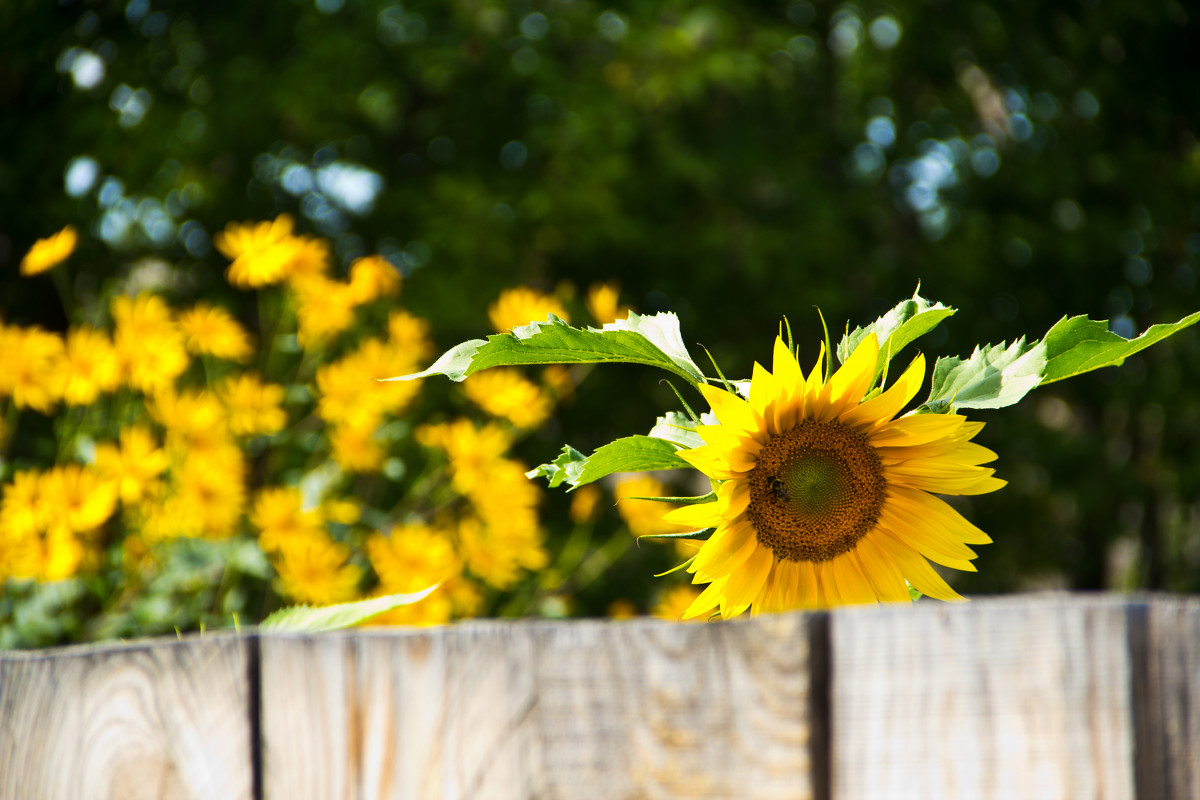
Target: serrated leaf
x=678 y=428
x=653 y=341
x=898 y=328
x=566 y=467
x=307 y=619
x=994 y=376
x=1077 y=345
x=629 y=454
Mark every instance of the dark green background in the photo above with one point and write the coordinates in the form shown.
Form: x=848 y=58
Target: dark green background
x=709 y=156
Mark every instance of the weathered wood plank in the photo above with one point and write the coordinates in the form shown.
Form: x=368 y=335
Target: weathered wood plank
x=159 y=719
x=586 y=709
x=1166 y=635
x=1012 y=698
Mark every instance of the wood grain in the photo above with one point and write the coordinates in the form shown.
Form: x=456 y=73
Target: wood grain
x=160 y=719
x=586 y=709
x=1165 y=633
x=998 y=699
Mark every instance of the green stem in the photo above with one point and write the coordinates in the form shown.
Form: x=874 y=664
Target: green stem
x=12 y=416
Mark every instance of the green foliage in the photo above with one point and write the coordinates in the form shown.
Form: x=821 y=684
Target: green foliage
x=1077 y=345
x=734 y=163
x=895 y=330
x=628 y=454
x=994 y=376
x=653 y=341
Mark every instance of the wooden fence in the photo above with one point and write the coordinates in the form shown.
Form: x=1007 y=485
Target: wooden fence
x=1050 y=696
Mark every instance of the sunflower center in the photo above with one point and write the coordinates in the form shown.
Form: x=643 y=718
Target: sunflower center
x=816 y=491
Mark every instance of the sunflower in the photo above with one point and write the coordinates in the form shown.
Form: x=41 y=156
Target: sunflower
x=823 y=498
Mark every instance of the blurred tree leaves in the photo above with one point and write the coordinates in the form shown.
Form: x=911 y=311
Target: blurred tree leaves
x=733 y=162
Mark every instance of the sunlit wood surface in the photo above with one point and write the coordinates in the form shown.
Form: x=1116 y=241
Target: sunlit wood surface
x=1049 y=696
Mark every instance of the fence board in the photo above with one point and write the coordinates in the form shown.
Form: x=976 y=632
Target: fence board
x=586 y=709
x=1026 y=697
x=1004 y=699
x=160 y=719
x=1167 y=694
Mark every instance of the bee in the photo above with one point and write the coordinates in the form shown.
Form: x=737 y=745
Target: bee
x=778 y=489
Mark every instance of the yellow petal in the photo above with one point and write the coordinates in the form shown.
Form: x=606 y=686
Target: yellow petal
x=711 y=461
x=733 y=411
x=806 y=586
x=942 y=478
x=882 y=408
x=700 y=515
x=725 y=551
x=747 y=581
x=827 y=593
x=915 y=568
x=937 y=513
x=930 y=541
x=916 y=429
x=734 y=498
x=708 y=600
x=851 y=381
x=852 y=585
x=762 y=389
x=884 y=576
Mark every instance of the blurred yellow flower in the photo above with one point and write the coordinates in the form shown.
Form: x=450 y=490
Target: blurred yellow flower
x=411 y=558
x=314 y=571
x=644 y=517
x=373 y=277
x=349 y=391
x=506 y=393
x=22 y=514
x=602 y=302
x=92 y=367
x=585 y=502
x=324 y=308
x=253 y=407
x=76 y=498
x=136 y=467
x=29 y=546
x=675 y=601
x=195 y=420
x=622 y=608
x=49 y=252
x=354 y=446
x=522 y=305
x=344 y=512
x=408 y=336
x=310 y=259
x=472 y=451
x=210 y=491
x=32 y=367
x=279 y=515
x=211 y=330
x=261 y=252
x=148 y=341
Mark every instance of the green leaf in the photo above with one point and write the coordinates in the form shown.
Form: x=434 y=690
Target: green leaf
x=677 y=428
x=699 y=536
x=679 y=501
x=896 y=329
x=654 y=341
x=328 y=618
x=1077 y=345
x=567 y=467
x=629 y=454
x=994 y=376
